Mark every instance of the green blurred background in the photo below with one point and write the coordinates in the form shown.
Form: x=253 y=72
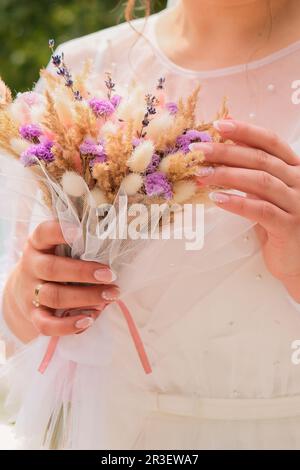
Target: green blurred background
x=26 y=26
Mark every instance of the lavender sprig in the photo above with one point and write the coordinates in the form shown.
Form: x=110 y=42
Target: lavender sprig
x=161 y=83
x=151 y=103
x=62 y=70
x=110 y=85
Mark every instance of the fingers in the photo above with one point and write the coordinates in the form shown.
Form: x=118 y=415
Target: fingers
x=50 y=267
x=40 y=260
x=272 y=218
x=259 y=183
x=49 y=325
x=257 y=137
x=47 y=235
x=247 y=157
x=58 y=296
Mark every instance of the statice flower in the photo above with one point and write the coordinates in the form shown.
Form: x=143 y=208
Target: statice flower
x=101 y=108
x=27 y=159
x=41 y=151
x=99 y=159
x=153 y=165
x=31 y=132
x=172 y=108
x=184 y=140
x=136 y=141
x=157 y=184
x=91 y=149
x=88 y=147
x=116 y=100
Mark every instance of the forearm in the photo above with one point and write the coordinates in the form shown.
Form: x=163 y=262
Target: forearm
x=13 y=317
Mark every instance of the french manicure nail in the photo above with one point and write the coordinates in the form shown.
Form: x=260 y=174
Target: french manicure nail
x=104 y=275
x=225 y=125
x=205 y=171
x=219 y=197
x=204 y=147
x=84 y=323
x=111 y=294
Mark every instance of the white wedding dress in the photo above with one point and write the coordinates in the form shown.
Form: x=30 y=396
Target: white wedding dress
x=217 y=326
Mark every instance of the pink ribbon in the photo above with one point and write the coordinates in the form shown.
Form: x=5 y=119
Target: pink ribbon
x=138 y=343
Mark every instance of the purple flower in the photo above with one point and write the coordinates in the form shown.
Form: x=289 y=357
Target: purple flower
x=31 y=132
x=153 y=165
x=27 y=159
x=56 y=60
x=88 y=147
x=137 y=141
x=99 y=159
x=161 y=83
x=101 y=108
x=41 y=151
x=116 y=100
x=172 y=107
x=184 y=140
x=157 y=184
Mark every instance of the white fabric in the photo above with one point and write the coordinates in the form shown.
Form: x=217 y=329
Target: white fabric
x=171 y=3
x=217 y=326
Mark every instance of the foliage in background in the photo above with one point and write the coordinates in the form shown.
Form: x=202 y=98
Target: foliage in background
x=26 y=26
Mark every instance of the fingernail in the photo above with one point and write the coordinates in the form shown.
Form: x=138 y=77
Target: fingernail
x=84 y=323
x=204 y=147
x=105 y=275
x=111 y=294
x=205 y=171
x=224 y=125
x=219 y=197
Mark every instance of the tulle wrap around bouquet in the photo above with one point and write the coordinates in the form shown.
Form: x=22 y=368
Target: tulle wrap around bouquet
x=96 y=156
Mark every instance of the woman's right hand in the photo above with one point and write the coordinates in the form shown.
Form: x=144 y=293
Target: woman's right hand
x=40 y=265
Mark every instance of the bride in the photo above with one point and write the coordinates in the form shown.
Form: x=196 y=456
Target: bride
x=219 y=325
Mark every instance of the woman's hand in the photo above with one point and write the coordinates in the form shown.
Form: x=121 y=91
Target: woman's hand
x=39 y=265
x=268 y=171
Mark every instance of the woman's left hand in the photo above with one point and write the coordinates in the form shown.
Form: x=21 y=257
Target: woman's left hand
x=268 y=171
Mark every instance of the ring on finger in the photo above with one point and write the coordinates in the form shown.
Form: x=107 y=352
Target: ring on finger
x=36 y=301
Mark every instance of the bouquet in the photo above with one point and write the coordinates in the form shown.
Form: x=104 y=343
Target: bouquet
x=104 y=148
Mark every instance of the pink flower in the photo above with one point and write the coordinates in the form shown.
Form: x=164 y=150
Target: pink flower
x=101 y=108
